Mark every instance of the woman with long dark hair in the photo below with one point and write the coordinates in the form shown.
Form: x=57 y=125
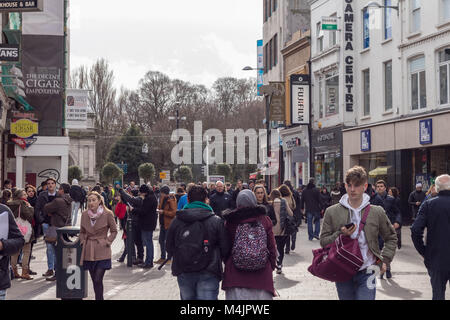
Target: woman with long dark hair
x=394 y=192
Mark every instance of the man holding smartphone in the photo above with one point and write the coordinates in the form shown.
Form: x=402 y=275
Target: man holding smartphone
x=345 y=218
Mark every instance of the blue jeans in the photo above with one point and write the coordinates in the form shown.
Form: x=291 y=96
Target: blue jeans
x=147 y=240
x=2 y=294
x=357 y=288
x=313 y=217
x=51 y=255
x=162 y=242
x=198 y=286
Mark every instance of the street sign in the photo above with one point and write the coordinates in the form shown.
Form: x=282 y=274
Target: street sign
x=165 y=176
x=162 y=175
x=300 y=154
x=329 y=23
x=21 y=5
x=123 y=166
x=214 y=179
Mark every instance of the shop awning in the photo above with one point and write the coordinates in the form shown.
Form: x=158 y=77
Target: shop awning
x=380 y=171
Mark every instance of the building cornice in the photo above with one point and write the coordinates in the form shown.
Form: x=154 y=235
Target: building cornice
x=425 y=39
x=298 y=45
x=323 y=54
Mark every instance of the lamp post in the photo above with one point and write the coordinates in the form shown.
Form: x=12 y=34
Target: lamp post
x=178 y=118
x=376 y=5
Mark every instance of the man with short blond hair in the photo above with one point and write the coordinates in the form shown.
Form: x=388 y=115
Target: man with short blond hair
x=434 y=215
x=350 y=209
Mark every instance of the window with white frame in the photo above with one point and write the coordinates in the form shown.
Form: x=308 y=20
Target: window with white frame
x=366 y=91
x=445 y=10
x=366 y=28
x=333 y=34
x=329 y=95
x=388 y=86
x=415 y=19
x=387 y=19
x=444 y=76
x=418 y=85
x=319 y=37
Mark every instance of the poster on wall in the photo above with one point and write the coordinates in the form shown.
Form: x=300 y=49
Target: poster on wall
x=77 y=102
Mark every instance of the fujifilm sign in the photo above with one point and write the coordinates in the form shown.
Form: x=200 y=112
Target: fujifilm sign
x=9 y=53
x=20 y=5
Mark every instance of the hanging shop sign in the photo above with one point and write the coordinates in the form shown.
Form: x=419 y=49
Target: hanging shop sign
x=76 y=109
x=366 y=142
x=10 y=52
x=300 y=96
x=260 y=66
x=348 y=55
x=25 y=131
x=277 y=109
x=21 y=5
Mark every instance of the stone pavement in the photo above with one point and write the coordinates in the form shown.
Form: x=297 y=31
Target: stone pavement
x=410 y=279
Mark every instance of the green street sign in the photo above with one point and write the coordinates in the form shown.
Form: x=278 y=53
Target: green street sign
x=329 y=27
x=329 y=23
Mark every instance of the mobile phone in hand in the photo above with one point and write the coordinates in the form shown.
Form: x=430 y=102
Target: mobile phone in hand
x=349 y=226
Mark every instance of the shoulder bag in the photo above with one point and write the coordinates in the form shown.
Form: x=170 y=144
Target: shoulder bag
x=24 y=226
x=340 y=260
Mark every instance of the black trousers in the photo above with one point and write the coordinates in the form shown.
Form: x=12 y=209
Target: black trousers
x=281 y=244
x=137 y=239
x=439 y=280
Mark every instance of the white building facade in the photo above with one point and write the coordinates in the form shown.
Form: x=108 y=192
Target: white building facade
x=393 y=71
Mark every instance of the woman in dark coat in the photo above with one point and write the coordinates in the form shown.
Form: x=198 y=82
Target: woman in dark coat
x=249 y=285
x=325 y=198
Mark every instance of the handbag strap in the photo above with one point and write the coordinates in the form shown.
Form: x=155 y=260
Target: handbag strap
x=364 y=219
x=20 y=205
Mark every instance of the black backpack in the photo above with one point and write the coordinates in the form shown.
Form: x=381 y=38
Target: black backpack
x=193 y=250
x=287 y=222
x=76 y=193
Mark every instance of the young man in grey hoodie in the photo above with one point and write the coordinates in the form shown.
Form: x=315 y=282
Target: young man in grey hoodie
x=350 y=209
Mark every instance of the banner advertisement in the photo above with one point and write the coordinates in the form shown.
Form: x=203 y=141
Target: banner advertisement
x=300 y=99
x=76 y=109
x=43 y=70
x=277 y=109
x=260 y=65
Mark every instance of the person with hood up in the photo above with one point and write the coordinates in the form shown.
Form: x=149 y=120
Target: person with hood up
x=197 y=281
x=350 y=210
x=242 y=284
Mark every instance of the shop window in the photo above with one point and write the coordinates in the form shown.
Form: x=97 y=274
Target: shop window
x=418 y=85
x=388 y=86
x=387 y=19
x=444 y=76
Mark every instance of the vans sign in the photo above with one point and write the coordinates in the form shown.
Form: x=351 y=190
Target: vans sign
x=9 y=52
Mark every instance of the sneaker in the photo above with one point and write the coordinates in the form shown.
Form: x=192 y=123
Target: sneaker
x=138 y=262
x=146 y=266
x=161 y=260
x=279 y=269
x=317 y=238
x=49 y=273
x=32 y=273
x=51 y=278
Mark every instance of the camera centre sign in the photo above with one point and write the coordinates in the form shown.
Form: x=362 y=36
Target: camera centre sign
x=21 y=5
x=348 y=55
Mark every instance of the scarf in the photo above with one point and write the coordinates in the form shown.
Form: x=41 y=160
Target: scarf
x=96 y=215
x=198 y=204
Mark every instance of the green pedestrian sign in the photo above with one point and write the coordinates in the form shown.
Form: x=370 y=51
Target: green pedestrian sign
x=329 y=23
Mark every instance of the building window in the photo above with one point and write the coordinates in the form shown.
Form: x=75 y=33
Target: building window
x=388 y=85
x=275 y=50
x=333 y=37
x=86 y=161
x=265 y=10
x=418 y=83
x=266 y=56
x=319 y=37
x=444 y=76
x=445 y=10
x=415 y=15
x=269 y=9
x=329 y=95
x=274 y=5
x=387 y=20
x=366 y=92
x=366 y=28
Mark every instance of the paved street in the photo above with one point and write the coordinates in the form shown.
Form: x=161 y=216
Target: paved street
x=410 y=279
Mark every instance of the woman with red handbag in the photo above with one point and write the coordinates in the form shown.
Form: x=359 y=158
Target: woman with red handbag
x=353 y=221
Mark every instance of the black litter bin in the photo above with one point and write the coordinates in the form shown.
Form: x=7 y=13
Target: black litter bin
x=71 y=279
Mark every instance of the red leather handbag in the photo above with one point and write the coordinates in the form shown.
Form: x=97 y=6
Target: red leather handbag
x=340 y=260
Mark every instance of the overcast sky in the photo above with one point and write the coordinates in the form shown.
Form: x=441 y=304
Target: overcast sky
x=192 y=40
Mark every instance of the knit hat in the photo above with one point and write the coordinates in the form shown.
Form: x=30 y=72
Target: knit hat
x=144 y=189
x=165 y=190
x=75 y=182
x=246 y=199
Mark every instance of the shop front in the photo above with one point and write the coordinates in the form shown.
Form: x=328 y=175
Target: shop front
x=327 y=153
x=403 y=153
x=295 y=149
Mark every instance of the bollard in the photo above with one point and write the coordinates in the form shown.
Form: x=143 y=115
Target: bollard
x=130 y=242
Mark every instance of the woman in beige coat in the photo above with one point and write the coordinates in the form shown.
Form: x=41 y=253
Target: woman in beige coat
x=280 y=207
x=96 y=255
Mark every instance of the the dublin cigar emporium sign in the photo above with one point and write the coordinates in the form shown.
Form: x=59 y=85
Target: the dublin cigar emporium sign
x=20 y=5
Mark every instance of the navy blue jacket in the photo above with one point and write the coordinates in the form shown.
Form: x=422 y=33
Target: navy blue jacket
x=434 y=214
x=389 y=204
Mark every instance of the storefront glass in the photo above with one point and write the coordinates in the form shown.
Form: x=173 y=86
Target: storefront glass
x=328 y=169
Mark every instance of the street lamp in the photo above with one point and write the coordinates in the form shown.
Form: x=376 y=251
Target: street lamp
x=376 y=5
x=247 y=68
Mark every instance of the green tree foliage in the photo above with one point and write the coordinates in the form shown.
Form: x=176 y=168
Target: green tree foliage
x=147 y=171
x=128 y=149
x=224 y=169
x=75 y=173
x=110 y=172
x=183 y=174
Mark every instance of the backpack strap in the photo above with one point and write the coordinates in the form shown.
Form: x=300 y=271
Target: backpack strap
x=364 y=219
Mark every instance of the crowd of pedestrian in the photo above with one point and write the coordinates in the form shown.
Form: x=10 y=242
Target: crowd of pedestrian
x=237 y=235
